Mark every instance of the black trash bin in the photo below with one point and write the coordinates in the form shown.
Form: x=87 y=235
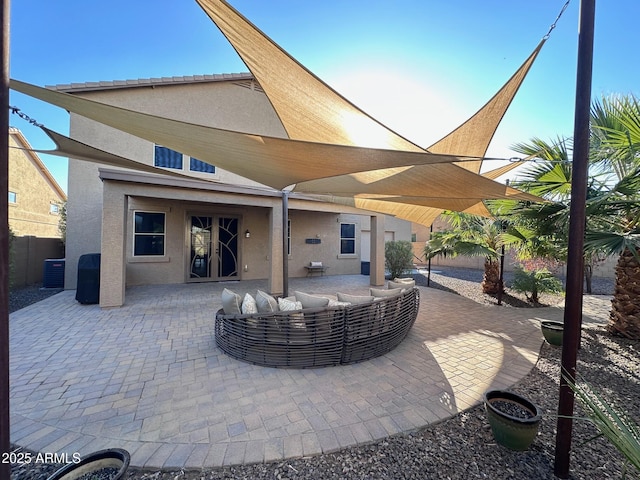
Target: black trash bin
x=365 y=268
x=88 y=290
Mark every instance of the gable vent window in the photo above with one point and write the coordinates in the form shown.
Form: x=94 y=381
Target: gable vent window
x=167 y=158
x=196 y=165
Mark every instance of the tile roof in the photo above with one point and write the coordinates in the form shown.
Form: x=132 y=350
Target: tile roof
x=146 y=82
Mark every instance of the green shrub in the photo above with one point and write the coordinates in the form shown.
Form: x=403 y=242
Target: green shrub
x=533 y=283
x=398 y=257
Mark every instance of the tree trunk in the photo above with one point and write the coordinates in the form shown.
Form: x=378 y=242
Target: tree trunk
x=588 y=277
x=625 y=307
x=491 y=282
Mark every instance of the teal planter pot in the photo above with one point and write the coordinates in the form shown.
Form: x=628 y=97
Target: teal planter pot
x=552 y=331
x=110 y=464
x=514 y=420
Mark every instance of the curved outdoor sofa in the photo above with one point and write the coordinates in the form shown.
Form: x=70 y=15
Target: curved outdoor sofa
x=319 y=337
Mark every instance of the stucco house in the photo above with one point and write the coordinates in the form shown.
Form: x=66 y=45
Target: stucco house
x=35 y=198
x=208 y=224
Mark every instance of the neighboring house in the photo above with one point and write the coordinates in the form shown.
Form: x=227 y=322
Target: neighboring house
x=35 y=198
x=159 y=229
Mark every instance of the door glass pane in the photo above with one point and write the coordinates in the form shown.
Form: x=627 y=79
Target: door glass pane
x=201 y=230
x=227 y=247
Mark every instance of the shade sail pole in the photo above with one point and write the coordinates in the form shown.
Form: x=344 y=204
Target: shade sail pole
x=575 y=257
x=285 y=243
x=5 y=437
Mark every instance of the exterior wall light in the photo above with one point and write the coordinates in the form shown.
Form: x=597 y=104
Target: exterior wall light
x=247 y=234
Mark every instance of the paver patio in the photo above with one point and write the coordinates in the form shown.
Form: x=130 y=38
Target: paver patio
x=149 y=378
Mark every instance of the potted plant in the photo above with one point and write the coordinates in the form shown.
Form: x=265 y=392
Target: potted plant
x=514 y=420
x=552 y=331
x=110 y=464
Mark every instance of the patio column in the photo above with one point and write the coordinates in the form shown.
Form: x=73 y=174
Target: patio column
x=112 y=249
x=376 y=269
x=275 y=257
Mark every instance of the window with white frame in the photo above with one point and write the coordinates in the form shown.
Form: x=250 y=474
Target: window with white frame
x=148 y=234
x=54 y=209
x=13 y=197
x=196 y=165
x=167 y=158
x=347 y=238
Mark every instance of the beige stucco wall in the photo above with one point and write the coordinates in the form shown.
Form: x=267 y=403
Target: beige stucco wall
x=604 y=269
x=218 y=104
x=253 y=212
x=31 y=214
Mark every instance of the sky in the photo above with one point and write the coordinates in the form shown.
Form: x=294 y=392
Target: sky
x=421 y=67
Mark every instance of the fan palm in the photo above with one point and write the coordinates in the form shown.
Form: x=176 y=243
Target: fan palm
x=550 y=178
x=471 y=236
x=613 y=200
x=615 y=136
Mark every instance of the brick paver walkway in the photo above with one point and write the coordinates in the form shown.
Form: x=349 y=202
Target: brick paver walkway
x=149 y=378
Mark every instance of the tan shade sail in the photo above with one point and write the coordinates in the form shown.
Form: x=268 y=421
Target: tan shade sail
x=67 y=147
x=473 y=136
x=311 y=110
x=275 y=162
x=424 y=210
x=406 y=211
x=308 y=108
x=442 y=181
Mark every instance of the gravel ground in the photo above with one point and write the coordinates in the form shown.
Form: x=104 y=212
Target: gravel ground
x=25 y=296
x=463 y=447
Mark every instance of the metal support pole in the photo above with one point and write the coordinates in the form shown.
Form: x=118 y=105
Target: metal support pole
x=575 y=257
x=5 y=437
x=285 y=243
x=501 y=286
x=429 y=261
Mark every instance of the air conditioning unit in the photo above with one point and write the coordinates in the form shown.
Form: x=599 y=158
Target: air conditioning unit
x=53 y=276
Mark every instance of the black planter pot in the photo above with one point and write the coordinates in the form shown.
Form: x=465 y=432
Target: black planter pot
x=112 y=463
x=514 y=420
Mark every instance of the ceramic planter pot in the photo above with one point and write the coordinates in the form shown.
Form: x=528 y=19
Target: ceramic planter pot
x=552 y=331
x=514 y=420
x=109 y=464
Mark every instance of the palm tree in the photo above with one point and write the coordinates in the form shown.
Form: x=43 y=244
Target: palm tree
x=615 y=124
x=472 y=236
x=547 y=224
x=613 y=200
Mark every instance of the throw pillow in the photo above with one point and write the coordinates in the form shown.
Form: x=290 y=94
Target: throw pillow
x=231 y=302
x=355 y=299
x=403 y=285
x=266 y=303
x=336 y=303
x=296 y=319
x=249 y=305
x=288 y=305
x=311 y=301
x=379 y=293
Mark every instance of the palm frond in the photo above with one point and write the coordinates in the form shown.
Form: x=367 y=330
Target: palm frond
x=615 y=425
x=475 y=250
x=611 y=243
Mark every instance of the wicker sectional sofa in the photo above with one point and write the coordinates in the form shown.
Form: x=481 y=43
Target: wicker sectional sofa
x=335 y=334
